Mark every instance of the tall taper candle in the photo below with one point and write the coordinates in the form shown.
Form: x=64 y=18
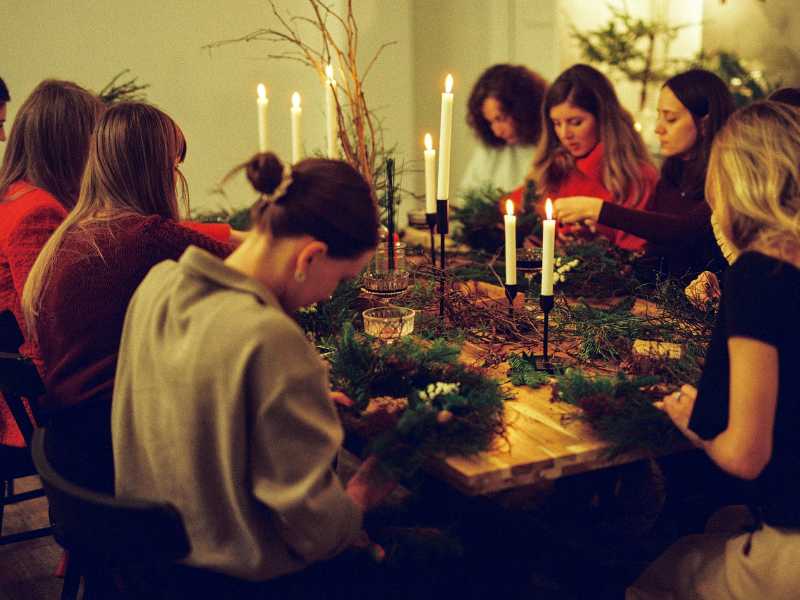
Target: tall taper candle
x=511 y=244
x=445 y=133
x=548 y=249
x=430 y=176
x=332 y=117
x=297 y=142
x=262 y=118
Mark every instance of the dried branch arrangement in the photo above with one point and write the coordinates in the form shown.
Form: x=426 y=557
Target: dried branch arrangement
x=358 y=135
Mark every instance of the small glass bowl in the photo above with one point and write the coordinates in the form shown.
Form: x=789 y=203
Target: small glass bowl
x=388 y=322
x=385 y=282
x=529 y=259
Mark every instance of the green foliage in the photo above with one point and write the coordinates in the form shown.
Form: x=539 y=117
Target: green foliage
x=605 y=333
x=481 y=218
x=603 y=270
x=238 y=219
x=325 y=319
x=627 y=44
x=620 y=409
x=460 y=419
x=746 y=83
x=523 y=371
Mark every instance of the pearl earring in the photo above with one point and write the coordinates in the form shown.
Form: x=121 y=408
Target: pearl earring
x=299 y=277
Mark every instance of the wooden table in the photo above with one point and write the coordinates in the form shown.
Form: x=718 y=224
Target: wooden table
x=540 y=445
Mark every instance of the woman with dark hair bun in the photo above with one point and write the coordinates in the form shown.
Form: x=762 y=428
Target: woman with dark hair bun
x=504 y=110
x=692 y=107
x=590 y=147
x=238 y=429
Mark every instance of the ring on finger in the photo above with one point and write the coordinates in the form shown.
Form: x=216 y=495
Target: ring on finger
x=677 y=395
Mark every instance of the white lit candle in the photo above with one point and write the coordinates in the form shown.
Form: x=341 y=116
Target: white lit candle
x=548 y=249
x=445 y=131
x=430 y=176
x=297 y=144
x=332 y=121
x=262 y=118
x=511 y=244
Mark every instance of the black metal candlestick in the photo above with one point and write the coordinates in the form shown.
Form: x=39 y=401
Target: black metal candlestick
x=546 y=303
x=511 y=293
x=390 y=202
x=443 y=227
x=430 y=221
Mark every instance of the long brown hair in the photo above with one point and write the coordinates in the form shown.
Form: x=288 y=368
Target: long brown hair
x=326 y=199
x=49 y=142
x=131 y=169
x=624 y=154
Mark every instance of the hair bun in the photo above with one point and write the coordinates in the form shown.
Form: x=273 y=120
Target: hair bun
x=264 y=171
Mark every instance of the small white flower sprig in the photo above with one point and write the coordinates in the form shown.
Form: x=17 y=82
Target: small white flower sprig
x=439 y=388
x=562 y=268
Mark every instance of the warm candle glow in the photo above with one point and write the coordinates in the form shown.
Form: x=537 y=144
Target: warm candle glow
x=509 y=208
x=262 y=91
x=548 y=208
x=428 y=142
x=296 y=100
x=329 y=72
x=448 y=84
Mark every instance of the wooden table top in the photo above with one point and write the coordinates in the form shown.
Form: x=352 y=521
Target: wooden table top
x=540 y=445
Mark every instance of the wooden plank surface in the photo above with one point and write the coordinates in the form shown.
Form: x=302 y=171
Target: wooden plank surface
x=541 y=443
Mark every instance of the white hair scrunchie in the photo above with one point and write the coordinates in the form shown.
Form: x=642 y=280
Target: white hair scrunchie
x=286 y=181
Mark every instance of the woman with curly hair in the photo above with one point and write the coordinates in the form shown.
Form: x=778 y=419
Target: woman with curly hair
x=504 y=111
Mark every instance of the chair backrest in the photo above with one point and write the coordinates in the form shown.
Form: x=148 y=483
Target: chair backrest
x=95 y=524
x=19 y=377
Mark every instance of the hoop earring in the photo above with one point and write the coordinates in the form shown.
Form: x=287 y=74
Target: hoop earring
x=299 y=277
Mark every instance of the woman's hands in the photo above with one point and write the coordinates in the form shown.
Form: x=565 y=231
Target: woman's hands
x=679 y=406
x=704 y=290
x=369 y=487
x=576 y=209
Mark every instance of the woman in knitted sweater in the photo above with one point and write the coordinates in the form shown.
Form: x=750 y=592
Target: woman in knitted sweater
x=39 y=181
x=125 y=222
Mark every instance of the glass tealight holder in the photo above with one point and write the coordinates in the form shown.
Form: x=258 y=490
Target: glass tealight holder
x=529 y=262
x=385 y=275
x=389 y=322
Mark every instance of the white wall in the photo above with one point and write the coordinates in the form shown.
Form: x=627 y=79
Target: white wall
x=211 y=95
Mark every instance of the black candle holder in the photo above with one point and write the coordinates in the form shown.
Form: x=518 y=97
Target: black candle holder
x=443 y=227
x=511 y=293
x=430 y=221
x=546 y=302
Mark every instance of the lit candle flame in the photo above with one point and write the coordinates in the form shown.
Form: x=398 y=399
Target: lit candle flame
x=296 y=100
x=448 y=84
x=262 y=91
x=329 y=73
x=509 y=208
x=548 y=208
x=428 y=142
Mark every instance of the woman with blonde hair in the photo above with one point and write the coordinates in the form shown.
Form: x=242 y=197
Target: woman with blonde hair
x=591 y=148
x=39 y=181
x=126 y=221
x=745 y=412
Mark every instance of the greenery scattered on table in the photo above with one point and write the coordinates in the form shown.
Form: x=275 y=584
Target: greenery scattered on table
x=603 y=270
x=522 y=371
x=325 y=319
x=237 y=218
x=620 y=409
x=436 y=405
x=604 y=333
x=481 y=218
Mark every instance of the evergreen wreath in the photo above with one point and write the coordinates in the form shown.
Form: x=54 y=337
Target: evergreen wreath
x=414 y=401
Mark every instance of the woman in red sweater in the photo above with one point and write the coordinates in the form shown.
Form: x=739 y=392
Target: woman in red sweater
x=126 y=221
x=591 y=148
x=692 y=107
x=39 y=181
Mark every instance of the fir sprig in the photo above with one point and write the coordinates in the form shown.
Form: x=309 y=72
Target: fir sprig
x=620 y=409
x=523 y=371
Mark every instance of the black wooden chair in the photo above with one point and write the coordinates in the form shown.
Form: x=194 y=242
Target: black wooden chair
x=18 y=379
x=121 y=548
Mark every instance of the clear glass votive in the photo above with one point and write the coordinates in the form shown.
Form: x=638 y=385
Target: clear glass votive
x=389 y=322
x=379 y=278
